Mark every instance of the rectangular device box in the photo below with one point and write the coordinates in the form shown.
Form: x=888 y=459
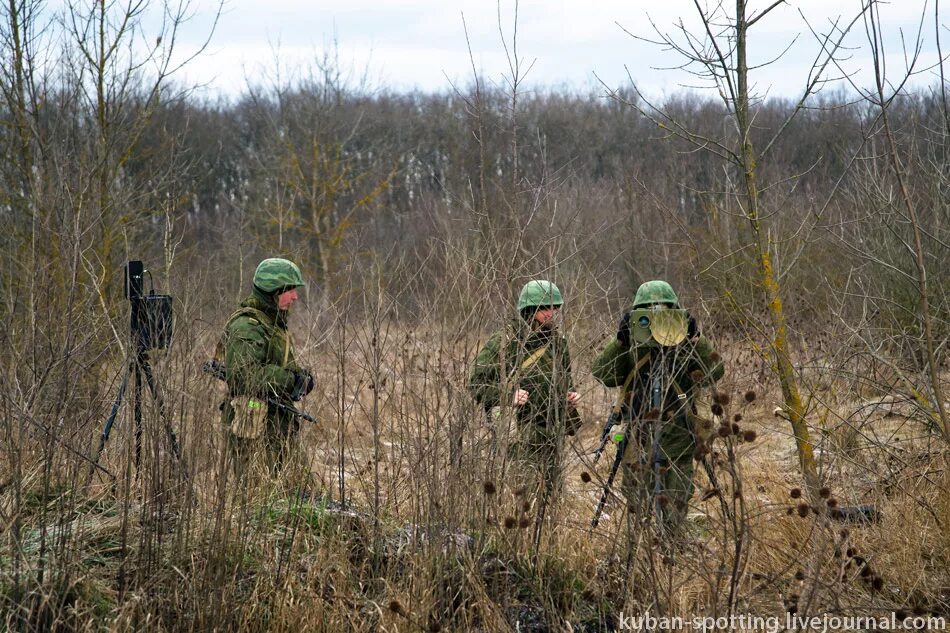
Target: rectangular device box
x=157 y=321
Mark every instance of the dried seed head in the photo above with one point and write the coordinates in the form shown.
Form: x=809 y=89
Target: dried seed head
x=749 y=436
x=866 y=571
x=750 y=396
x=519 y=491
x=795 y=493
x=735 y=429
x=832 y=503
x=790 y=510
x=877 y=583
x=824 y=492
x=850 y=552
x=663 y=500
x=524 y=522
x=526 y=505
x=799 y=575
x=714 y=357
x=803 y=510
x=488 y=487
x=434 y=627
x=845 y=533
x=652 y=414
x=510 y=523
x=724 y=431
x=585 y=477
x=716 y=409
x=737 y=417
x=697 y=375
x=722 y=398
x=396 y=607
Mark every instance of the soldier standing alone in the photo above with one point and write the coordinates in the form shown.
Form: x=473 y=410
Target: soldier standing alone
x=261 y=369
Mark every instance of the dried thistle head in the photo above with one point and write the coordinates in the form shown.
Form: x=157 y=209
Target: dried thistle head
x=799 y=575
x=524 y=522
x=510 y=522
x=795 y=493
x=737 y=417
x=721 y=397
x=396 y=607
x=716 y=409
x=714 y=357
x=749 y=436
x=750 y=396
x=585 y=477
x=803 y=510
x=488 y=487
x=663 y=500
x=832 y=503
x=434 y=626
x=724 y=431
x=526 y=505
x=824 y=492
x=697 y=375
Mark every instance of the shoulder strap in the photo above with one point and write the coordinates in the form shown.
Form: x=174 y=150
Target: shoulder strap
x=242 y=311
x=535 y=357
x=622 y=390
x=251 y=312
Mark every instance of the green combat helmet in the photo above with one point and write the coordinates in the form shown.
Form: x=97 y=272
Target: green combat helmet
x=667 y=325
x=275 y=273
x=655 y=291
x=539 y=292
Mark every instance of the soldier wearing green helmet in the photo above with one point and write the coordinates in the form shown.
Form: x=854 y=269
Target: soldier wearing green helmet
x=528 y=366
x=258 y=355
x=658 y=361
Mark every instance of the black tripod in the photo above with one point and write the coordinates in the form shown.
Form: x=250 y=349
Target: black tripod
x=151 y=328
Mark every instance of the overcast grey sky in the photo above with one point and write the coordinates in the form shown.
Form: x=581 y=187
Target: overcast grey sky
x=406 y=44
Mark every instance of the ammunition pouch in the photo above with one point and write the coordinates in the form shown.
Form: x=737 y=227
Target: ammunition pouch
x=250 y=414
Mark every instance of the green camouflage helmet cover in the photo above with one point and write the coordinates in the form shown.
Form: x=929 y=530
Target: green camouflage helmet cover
x=275 y=273
x=655 y=291
x=539 y=292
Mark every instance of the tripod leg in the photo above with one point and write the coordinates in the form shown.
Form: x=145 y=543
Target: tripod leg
x=110 y=422
x=157 y=396
x=137 y=409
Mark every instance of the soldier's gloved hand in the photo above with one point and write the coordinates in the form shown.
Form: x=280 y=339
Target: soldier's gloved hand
x=573 y=398
x=303 y=384
x=623 y=330
x=520 y=398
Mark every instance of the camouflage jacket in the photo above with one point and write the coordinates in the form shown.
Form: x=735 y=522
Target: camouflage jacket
x=258 y=352
x=689 y=365
x=537 y=361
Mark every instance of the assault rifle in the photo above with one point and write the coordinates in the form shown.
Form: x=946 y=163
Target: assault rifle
x=218 y=370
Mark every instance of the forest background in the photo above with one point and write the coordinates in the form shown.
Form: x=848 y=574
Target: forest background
x=808 y=235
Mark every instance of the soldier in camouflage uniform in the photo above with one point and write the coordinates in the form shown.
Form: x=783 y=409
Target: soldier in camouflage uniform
x=660 y=360
x=528 y=366
x=259 y=358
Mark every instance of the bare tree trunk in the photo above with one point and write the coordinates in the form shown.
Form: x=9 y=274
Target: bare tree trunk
x=791 y=393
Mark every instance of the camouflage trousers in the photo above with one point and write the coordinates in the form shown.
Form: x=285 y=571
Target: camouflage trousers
x=535 y=478
x=278 y=447
x=658 y=483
